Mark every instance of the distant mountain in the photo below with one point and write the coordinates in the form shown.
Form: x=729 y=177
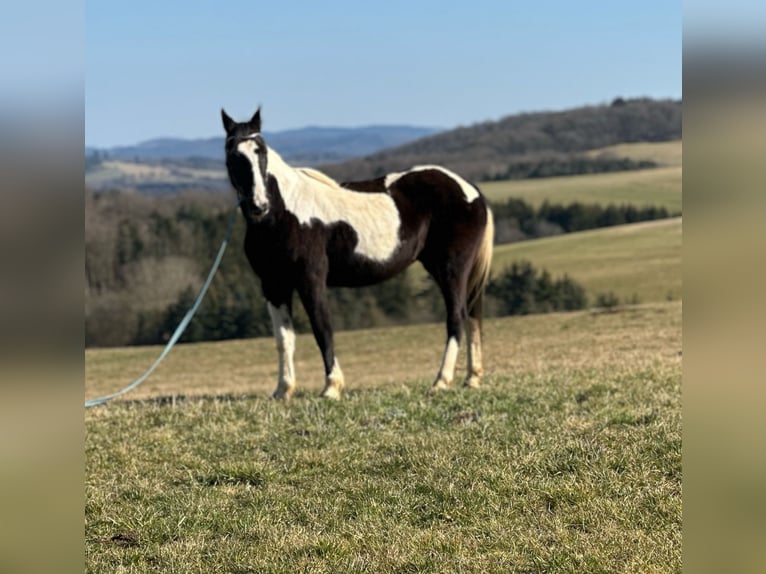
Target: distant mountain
x=527 y=144
x=166 y=165
x=309 y=145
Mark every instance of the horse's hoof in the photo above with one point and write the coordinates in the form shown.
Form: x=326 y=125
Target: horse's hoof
x=472 y=382
x=331 y=392
x=283 y=394
x=438 y=386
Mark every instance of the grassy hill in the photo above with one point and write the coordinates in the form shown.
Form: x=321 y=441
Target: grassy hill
x=642 y=259
x=143 y=254
x=173 y=164
x=659 y=187
x=568 y=460
x=487 y=150
x=167 y=176
x=667 y=153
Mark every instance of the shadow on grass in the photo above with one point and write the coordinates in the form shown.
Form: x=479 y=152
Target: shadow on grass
x=174 y=400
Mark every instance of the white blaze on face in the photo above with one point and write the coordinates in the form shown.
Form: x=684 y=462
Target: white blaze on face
x=311 y=195
x=259 y=197
x=468 y=190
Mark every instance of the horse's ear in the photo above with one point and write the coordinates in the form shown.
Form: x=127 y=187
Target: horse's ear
x=228 y=123
x=255 y=121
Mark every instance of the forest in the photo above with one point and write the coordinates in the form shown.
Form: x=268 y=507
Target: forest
x=146 y=257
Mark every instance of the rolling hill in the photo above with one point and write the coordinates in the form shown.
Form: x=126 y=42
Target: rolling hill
x=641 y=260
x=309 y=144
x=567 y=460
x=660 y=187
x=490 y=150
x=590 y=139
x=173 y=164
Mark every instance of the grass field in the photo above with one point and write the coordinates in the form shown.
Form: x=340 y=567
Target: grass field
x=568 y=460
x=117 y=172
x=659 y=187
x=663 y=153
x=642 y=259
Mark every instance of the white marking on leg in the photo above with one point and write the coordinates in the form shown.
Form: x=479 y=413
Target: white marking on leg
x=312 y=195
x=475 y=365
x=469 y=191
x=334 y=383
x=284 y=334
x=447 y=369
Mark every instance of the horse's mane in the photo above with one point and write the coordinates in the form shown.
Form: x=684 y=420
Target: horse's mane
x=319 y=176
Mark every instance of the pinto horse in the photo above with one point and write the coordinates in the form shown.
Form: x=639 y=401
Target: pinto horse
x=306 y=232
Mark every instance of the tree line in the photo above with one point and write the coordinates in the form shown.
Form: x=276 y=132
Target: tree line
x=516 y=220
x=146 y=257
x=555 y=165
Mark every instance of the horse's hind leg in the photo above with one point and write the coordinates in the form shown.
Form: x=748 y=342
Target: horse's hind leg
x=453 y=290
x=475 y=368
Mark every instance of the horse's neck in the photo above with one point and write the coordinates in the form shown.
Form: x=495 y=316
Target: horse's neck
x=287 y=176
x=300 y=185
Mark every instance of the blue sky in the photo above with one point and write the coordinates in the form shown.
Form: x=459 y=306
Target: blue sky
x=166 y=68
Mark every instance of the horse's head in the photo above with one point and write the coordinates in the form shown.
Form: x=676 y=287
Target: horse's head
x=246 y=162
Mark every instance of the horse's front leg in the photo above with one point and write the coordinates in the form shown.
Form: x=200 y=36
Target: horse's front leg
x=284 y=334
x=314 y=299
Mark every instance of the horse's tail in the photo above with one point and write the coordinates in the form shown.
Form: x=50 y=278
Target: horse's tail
x=482 y=265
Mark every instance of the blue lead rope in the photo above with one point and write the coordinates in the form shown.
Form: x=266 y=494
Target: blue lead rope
x=181 y=326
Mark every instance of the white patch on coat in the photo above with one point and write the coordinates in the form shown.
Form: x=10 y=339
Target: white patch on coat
x=249 y=149
x=447 y=370
x=311 y=195
x=284 y=334
x=469 y=191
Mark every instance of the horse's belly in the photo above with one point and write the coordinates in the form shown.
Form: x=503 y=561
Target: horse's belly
x=360 y=272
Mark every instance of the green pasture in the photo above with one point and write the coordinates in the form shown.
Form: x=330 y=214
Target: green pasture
x=118 y=173
x=640 y=260
x=660 y=187
x=663 y=153
x=567 y=460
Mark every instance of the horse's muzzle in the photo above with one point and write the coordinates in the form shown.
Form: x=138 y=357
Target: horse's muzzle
x=259 y=211
x=256 y=212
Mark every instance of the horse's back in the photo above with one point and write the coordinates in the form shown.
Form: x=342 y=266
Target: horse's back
x=430 y=187
x=442 y=196
x=436 y=180
x=376 y=185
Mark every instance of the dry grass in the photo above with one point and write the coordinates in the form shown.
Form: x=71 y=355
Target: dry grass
x=370 y=358
x=659 y=187
x=130 y=172
x=642 y=260
x=567 y=461
x=663 y=153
